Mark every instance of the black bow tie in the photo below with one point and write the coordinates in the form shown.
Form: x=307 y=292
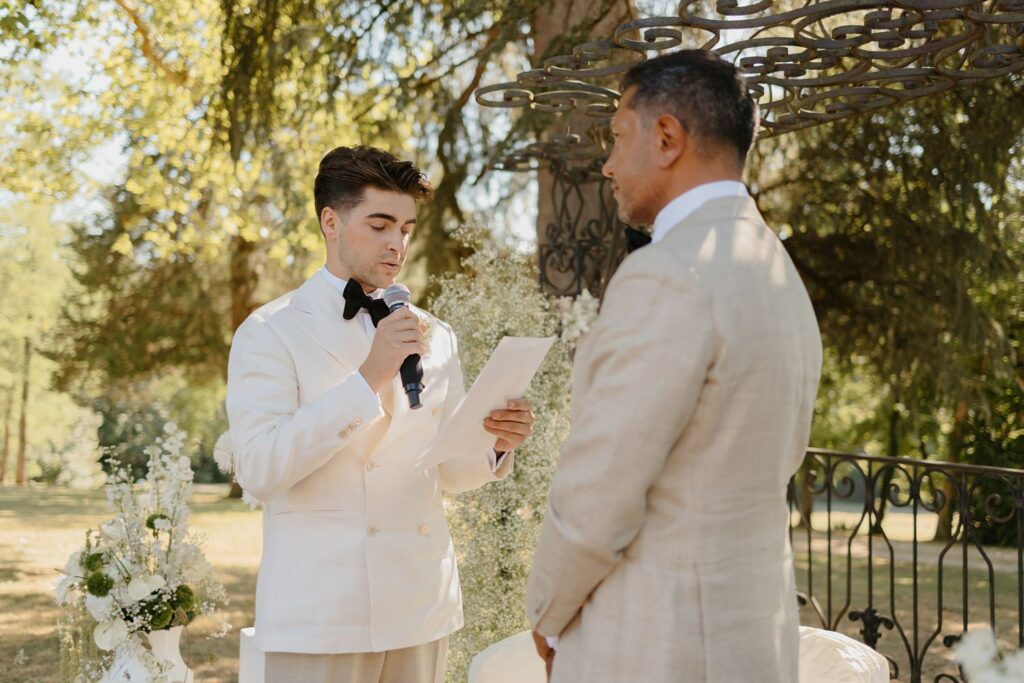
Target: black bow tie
x=356 y=298
x=636 y=239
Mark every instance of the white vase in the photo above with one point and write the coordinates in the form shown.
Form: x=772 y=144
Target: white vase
x=166 y=645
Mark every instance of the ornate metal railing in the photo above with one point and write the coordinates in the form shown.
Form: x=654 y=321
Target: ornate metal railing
x=863 y=530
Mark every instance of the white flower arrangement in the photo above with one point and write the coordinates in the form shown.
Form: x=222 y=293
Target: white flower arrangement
x=141 y=571
x=577 y=315
x=982 y=662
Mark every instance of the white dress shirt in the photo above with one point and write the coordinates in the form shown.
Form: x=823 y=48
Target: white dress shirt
x=691 y=200
x=363 y=316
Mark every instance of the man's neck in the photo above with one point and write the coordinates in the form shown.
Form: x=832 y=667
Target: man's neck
x=684 y=183
x=341 y=273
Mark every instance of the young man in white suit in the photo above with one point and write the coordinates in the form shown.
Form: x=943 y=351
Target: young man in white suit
x=357 y=583
x=664 y=556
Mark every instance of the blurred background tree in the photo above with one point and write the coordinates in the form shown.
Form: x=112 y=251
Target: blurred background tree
x=174 y=145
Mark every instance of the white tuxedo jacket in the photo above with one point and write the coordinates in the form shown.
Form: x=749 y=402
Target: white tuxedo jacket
x=664 y=555
x=356 y=551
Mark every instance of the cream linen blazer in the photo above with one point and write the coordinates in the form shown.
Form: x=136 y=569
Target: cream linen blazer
x=664 y=552
x=356 y=551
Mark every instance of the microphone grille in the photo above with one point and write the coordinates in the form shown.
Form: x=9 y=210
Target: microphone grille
x=397 y=294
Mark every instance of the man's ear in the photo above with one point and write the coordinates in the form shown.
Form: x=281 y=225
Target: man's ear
x=671 y=139
x=328 y=221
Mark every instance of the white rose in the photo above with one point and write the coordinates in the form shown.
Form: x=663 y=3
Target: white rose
x=99 y=608
x=976 y=651
x=110 y=634
x=142 y=586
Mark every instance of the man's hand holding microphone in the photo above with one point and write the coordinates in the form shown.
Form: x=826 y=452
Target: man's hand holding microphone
x=401 y=335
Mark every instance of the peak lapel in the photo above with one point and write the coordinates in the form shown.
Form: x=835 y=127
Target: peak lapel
x=319 y=311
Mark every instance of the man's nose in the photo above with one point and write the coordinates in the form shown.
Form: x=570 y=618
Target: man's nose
x=606 y=168
x=394 y=243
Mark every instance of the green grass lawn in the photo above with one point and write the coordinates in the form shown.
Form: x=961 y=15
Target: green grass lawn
x=40 y=527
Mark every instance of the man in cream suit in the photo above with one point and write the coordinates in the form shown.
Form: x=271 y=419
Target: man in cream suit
x=664 y=554
x=357 y=583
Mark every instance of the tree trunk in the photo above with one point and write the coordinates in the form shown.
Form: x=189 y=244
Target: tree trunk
x=944 y=526
x=557 y=27
x=19 y=476
x=244 y=280
x=6 y=452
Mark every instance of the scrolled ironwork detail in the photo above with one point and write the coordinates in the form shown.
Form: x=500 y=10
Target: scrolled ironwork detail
x=867 y=547
x=806 y=63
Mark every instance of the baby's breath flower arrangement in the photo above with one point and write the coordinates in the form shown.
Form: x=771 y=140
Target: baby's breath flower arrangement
x=495 y=528
x=139 y=572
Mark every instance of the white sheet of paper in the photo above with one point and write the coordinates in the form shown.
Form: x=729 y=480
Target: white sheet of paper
x=506 y=376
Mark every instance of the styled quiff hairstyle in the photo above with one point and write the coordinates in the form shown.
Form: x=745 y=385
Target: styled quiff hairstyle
x=345 y=172
x=705 y=93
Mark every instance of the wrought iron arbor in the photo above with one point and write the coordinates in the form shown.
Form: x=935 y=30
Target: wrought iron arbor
x=806 y=62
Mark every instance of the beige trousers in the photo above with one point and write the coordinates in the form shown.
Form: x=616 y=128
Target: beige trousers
x=420 y=664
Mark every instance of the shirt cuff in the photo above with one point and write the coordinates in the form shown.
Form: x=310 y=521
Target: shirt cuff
x=552 y=642
x=495 y=460
x=376 y=398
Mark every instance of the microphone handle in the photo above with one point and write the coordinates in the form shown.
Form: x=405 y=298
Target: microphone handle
x=412 y=374
x=412 y=380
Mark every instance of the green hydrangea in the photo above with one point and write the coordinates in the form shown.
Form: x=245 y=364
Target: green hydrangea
x=99 y=584
x=92 y=562
x=152 y=520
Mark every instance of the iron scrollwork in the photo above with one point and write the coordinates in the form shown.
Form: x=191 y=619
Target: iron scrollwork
x=807 y=63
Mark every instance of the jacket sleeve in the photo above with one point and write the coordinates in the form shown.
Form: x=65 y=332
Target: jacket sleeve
x=474 y=469
x=649 y=354
x=276 y=442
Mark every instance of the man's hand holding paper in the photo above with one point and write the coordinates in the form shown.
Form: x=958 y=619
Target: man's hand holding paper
x=493 y=407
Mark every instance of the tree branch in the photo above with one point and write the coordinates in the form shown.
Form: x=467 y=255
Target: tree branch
x=149 y=50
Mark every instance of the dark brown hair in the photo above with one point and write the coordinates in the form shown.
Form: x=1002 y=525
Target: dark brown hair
x=345 y=172
x=703 y=91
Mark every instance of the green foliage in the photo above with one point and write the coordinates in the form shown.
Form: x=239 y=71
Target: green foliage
x=907 y=227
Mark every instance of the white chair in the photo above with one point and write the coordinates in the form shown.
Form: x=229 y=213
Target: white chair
x=251 y=660
x=825 y=657
x=513 y=660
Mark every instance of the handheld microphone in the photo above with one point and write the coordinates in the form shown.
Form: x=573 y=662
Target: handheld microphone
x=398 y=296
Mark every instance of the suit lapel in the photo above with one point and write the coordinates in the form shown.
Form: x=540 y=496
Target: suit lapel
x=319 y=311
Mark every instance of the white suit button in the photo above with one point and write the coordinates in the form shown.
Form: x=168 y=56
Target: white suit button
x=370 y=465
x=435 y=411
x=373 y=531
x=424 y=530
x=356 y=422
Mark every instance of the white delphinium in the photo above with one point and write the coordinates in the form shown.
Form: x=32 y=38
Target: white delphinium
x=979 y=656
